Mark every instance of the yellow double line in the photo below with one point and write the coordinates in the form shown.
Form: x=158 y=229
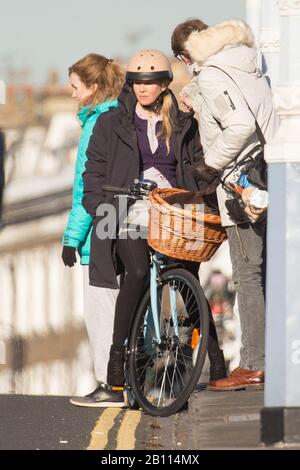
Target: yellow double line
x=126 y=432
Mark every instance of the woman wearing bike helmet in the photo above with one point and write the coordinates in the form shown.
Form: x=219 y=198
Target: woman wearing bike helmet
x=147 y=136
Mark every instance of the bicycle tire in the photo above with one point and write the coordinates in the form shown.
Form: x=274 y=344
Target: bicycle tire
x=131 y=400
x=139 y=343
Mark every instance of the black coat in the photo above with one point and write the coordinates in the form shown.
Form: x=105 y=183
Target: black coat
x=113 y=158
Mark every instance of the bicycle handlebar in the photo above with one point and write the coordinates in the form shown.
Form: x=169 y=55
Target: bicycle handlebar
x=115 y=189
x=139 y=189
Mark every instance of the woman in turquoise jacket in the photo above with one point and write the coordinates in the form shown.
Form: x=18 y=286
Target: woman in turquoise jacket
x=96 y=83
x=78 y=230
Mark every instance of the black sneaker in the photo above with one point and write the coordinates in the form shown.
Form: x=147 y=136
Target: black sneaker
x=103 y=396
x=115 y=367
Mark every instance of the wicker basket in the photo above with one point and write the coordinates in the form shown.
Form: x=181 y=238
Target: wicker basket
x=186 y=234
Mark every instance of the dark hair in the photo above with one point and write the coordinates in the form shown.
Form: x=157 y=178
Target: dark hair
x=181 y=33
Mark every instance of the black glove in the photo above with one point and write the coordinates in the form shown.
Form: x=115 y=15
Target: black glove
x=203 y=172
x=69 y=256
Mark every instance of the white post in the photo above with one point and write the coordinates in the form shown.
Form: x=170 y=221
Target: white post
x=253 y=9
x=269 y=41
x=254 y=16
x=280 y=419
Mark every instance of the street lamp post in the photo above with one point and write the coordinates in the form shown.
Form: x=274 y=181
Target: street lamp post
x=269 y=41
x=254 y=17
x=253 y=11
x=280 y=417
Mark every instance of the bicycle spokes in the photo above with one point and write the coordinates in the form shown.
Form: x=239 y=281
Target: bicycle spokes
x=165 y=362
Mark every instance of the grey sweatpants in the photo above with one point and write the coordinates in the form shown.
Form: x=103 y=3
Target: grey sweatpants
x=99 y=313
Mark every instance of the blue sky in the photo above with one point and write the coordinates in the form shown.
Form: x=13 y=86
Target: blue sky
x=38 y=34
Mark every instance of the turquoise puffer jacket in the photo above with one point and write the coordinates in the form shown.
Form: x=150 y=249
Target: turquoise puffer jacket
x=79 y=226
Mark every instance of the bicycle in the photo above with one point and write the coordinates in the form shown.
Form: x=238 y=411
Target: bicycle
x=167 y=339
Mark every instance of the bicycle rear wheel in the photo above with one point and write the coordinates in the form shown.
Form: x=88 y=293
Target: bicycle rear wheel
x=164 y=373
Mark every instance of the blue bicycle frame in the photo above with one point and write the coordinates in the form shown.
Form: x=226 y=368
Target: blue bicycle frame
x=154 y=297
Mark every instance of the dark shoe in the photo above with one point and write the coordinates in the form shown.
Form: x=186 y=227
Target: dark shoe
x=217 y=365
x=102 y=397
x=115 y=367
x=240 y=379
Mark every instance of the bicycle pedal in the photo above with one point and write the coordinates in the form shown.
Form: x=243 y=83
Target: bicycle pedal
x=117 y=389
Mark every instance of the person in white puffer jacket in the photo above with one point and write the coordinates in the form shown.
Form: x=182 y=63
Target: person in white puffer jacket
x=226 y=83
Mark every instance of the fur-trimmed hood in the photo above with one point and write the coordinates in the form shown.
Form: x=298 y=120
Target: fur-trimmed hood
x=201 y=45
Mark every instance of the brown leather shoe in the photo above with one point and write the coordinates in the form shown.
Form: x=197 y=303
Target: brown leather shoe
x=240 y=379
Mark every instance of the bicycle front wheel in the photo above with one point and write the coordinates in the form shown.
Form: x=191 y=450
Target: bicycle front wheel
x=165 y=368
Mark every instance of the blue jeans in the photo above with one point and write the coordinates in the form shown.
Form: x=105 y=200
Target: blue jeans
x=247 y=252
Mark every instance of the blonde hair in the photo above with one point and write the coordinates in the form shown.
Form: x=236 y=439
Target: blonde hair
x=107 y=75
x=167 y=123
